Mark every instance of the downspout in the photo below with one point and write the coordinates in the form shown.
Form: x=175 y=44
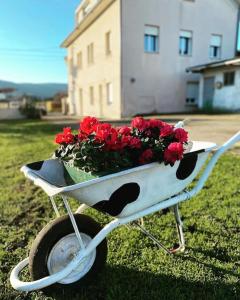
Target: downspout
x=122 y=104
x=237 y=51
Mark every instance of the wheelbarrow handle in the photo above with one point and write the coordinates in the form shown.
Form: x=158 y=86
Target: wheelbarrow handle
x=233 y=140
x=228 y=144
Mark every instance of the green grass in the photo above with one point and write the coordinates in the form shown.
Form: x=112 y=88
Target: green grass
x=136 y=268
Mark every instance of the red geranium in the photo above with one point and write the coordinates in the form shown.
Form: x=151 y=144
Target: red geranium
x=124 y=130
x=88 y=125
x=66 y=137
x=135 y=143
x=146 y=156
x=139 y=123
x=181 y=135
x=102 y=148
x=166 y=130
x=173 y=153
x=154 y=123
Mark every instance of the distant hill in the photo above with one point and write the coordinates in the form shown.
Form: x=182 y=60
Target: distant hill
x=41 y=90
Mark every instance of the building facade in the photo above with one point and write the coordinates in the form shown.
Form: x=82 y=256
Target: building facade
x=219 y=85
x=130 y=57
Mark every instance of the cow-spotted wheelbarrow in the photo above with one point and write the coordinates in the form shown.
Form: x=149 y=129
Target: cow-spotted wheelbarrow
x=71 y=249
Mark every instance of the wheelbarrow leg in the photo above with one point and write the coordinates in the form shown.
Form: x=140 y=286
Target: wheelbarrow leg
x=151 y=237
x=179 y=225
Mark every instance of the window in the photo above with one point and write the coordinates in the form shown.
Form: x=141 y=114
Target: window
x=90 y=53
x=81 y=101
x=79 y=60
x=215 y=46
x=192 y=93
x=91 y=93
x=100 y=93
x=229 y=78
x=70 y=64
x=108 y=43
x=151 y=39
x=109 y=93
x=185 y=43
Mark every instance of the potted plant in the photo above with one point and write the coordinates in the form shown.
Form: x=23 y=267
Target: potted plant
x=99 y=149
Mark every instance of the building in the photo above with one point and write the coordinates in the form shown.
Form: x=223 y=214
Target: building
x=9 y=104
x=219 y=84
x=130 y=57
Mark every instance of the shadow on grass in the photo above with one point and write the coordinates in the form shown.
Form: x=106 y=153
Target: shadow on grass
x=122 y=283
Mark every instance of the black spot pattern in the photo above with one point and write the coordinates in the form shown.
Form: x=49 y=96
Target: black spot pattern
x=36 y=166
x=126 y=194
x=187 y=166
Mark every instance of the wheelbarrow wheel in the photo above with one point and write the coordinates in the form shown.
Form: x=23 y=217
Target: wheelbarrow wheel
x=57 y=244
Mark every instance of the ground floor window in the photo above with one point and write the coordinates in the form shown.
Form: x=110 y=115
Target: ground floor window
x=192 y=93
x=229 y=78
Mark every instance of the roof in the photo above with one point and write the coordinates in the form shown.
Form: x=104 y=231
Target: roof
x=235 y=61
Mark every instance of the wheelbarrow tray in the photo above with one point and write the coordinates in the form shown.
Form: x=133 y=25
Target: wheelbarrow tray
x=124 y=193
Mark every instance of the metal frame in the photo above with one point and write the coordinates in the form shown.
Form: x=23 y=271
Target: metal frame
x=171 y=202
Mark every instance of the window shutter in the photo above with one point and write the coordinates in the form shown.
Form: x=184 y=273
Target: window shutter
x=151 y=30
x=216 y=40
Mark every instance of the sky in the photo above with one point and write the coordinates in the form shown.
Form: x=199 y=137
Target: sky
x=31 y=32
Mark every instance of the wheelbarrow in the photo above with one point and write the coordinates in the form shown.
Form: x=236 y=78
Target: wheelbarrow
x=72 y=249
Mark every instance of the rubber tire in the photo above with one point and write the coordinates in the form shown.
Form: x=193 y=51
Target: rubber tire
x=50 y=235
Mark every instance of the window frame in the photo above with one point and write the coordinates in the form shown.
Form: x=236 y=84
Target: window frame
x=80 y=59
x=189 y=44
x=229 y=82
x=218 y=47
x=156 y=39
x=108 y=49
x=90 y=54
x=91 y=95
x=195 y=103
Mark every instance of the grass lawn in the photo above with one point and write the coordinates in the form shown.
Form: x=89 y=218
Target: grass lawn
x=136 y=268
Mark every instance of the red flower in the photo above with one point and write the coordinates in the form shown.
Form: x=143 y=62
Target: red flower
x=59 y=138
x=88 y=125
x=102 y=131
x=135 y=143
x=139 y=123
x=124 y=130
x=66 y=137
x=146 y=156
x=173 y=153
x=154 y=123
x=67 y=130
x=181 y=135
x=166 y=131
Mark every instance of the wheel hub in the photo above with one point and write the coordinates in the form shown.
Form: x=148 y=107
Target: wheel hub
x=63 y=253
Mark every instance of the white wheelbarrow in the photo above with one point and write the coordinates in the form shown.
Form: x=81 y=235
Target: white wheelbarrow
x=71 y=249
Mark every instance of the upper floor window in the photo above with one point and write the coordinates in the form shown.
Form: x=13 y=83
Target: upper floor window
x=79 y=60
x=90 y=53
x=215 y=46
x=229 y=78
x=109 y=93
x=185 y=42
x=108 y=43
x=151 y=38
x=91 y=93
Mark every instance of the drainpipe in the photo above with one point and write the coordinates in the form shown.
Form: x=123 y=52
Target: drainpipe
x=237 y=51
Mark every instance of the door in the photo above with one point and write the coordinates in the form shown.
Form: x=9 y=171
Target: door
x=208 y=92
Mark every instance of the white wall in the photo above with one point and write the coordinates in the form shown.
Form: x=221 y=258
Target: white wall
x=10 y=114
x=160 y=79
x=228 y=97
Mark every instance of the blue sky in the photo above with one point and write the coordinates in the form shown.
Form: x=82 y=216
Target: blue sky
x=31 y=32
